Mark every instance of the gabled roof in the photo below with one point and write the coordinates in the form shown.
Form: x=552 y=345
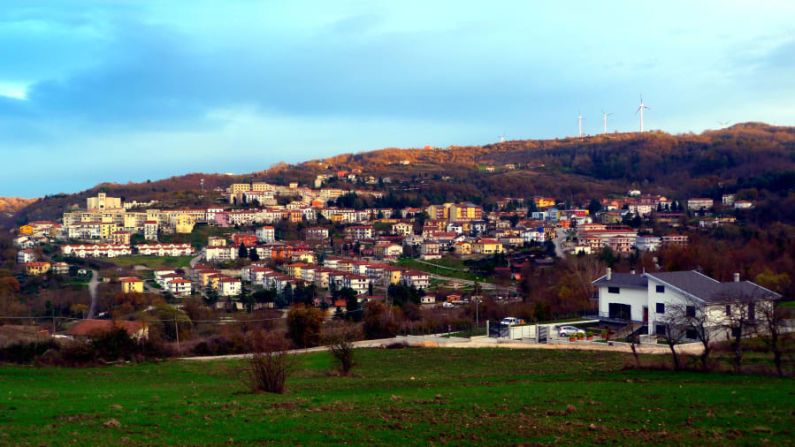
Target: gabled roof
x=622 y=280
x=708 y=290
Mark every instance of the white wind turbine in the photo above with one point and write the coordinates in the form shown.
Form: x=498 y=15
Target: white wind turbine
x=579 y=122
x=641 y=108
x=502 y=137
x=604 y=120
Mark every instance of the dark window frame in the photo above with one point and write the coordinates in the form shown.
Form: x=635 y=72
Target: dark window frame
x=660 y=289
x=614 y=290
x=660 y=308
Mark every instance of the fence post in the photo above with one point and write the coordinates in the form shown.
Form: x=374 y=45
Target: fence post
x=488 y=333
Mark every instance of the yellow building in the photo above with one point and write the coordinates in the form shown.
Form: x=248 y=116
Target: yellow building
x=26 y=230
x=465 y=211
x=131 y=284
x=392 y=275
x=184 y=224
x=436 y=212
x=544 y=202
x=487 y=247
x=106 y=230
x=37 y=268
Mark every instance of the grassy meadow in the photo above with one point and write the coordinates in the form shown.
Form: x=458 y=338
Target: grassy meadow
x=404 y=397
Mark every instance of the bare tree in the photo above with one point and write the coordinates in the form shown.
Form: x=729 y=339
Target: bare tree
x=674 y=325
x=340 y=343
x=270 y=364
x=698 y=322
x=738 y=322
x=770 y=329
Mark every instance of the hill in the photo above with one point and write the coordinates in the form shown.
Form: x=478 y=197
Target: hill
x=745 y=156
x=397 y=397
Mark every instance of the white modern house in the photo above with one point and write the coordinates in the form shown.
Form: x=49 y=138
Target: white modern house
x=649 y=298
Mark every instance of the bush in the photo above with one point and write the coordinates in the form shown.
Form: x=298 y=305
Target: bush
x=115 y=344
x=269 y=366
x=303 y=326
x=340 y=342
x=25 y=352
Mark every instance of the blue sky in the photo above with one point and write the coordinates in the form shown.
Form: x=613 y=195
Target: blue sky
x=134 y=90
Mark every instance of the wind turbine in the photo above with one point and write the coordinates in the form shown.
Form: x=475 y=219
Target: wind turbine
x=641 y=108
x=502 y=137
x=579 y=122
x=723 y=123
x=604 y=120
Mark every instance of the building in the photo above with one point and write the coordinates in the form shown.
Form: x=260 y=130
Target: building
x=247 y=239
x=37 y=268
x=151 y=228
x=60 y=268
x=265 y=234
x=92 y=328
x=419 y=280
x=26 y=255
x=96 y=250
x=698 y=204
x=652 y=299
x=103 y=202
x=179 y=286
x=131 y=284
x=359 y=232
x=487 y=246
x=220 y=254
x=184 y=249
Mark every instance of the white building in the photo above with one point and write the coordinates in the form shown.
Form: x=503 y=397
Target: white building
x=179 y=286
x=165 y=249
x=266 y=234
x=220 y=254
x=25 y=256
x=649 y=297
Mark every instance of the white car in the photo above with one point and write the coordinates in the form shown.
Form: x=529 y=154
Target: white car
x=568 y=331
x=511 y=321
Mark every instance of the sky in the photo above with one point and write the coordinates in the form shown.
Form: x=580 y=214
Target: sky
x=134 y=90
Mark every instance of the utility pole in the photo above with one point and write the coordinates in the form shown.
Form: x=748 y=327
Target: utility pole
x=176 y=331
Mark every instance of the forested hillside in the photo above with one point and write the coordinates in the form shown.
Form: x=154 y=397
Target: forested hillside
x=754 y=159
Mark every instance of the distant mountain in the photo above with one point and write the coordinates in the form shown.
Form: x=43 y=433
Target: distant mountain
x=748 y=156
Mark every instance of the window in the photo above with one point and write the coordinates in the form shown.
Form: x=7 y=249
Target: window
x=751 y=311
x=691 y=334
x=660 y=329
x=660 y=308
x=691 y=311
x=728 y=310
x=613 y=290
x=660 y=289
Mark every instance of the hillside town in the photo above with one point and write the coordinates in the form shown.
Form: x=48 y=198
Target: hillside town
x=268 y=246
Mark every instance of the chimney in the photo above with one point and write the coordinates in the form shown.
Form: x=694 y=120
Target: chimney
x=736 y=277
x=609 y=273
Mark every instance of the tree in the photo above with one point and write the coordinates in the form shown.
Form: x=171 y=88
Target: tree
x=303 y=326
x=738 y=322
x=253 y=255
x=242 y=252
x=770 y=329
x=380 y=321
x=697 y=319
x=270 y=364
x=594 y=206
x=340 y=340
x=674 y=328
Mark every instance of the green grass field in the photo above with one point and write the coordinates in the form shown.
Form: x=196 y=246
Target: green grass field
x=399 y=397
x=153 y=262
x=442 y=267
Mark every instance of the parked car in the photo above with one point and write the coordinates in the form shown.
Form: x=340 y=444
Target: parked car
x=511 y=321
x=568 y=331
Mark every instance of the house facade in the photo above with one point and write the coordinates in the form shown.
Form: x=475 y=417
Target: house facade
x=654 y=298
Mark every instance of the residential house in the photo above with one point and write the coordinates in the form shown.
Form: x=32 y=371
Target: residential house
x=131 y=284
x=652 y=298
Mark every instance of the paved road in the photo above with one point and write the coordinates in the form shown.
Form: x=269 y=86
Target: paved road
x=92 y=290
x=560 y=237
x=434 y=341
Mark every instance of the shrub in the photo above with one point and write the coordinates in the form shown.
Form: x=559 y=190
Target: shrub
x=115 y=344
x=340 y=342
x=303 y=326
x=269 y=366
x=25 y=352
